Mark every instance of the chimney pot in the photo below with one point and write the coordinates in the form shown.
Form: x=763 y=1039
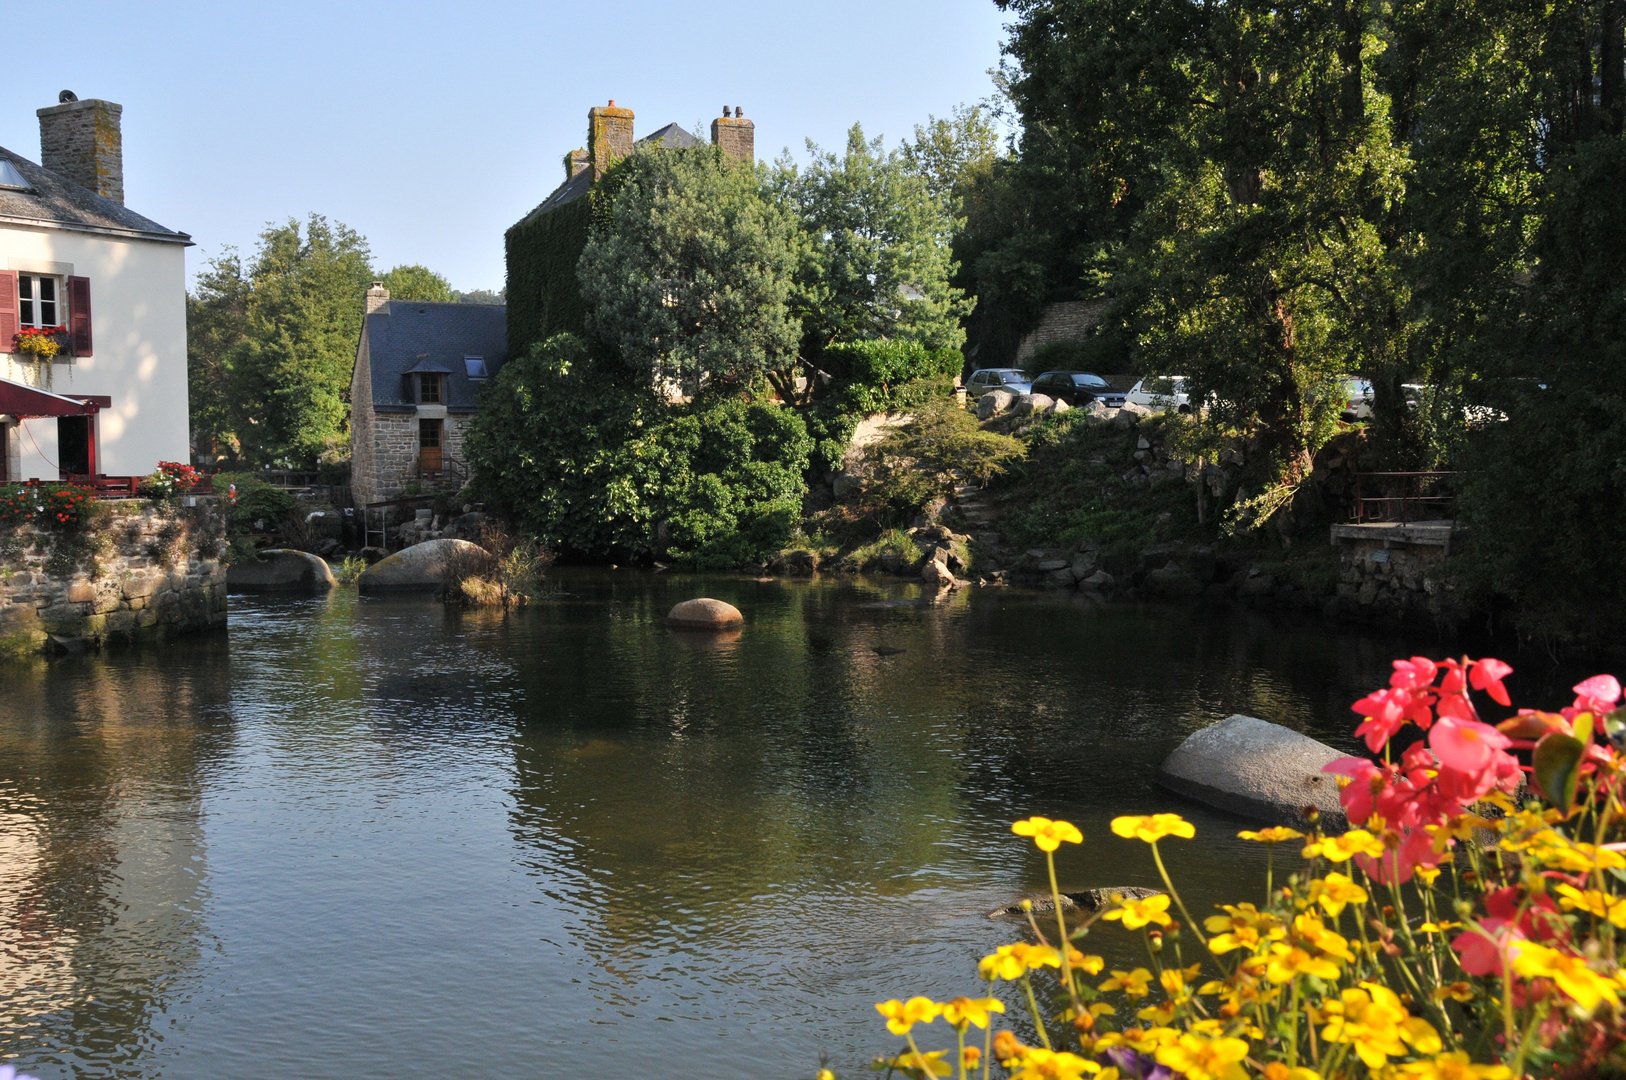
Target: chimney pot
x=725 y=110
x=66 y=96
x=739 y=112
x=612 y=103
x=82 y=141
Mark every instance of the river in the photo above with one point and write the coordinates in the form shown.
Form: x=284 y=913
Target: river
x=365 y=838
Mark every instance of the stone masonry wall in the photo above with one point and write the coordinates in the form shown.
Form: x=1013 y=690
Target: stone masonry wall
x=142 y=570
x=83 y=141
x=1066 y=321
x=1394 y=583
x=394 y=455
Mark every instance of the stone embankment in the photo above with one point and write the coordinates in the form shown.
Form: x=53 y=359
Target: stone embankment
x=135 y=571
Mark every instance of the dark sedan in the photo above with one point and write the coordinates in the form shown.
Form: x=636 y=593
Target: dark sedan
x=1078 y=388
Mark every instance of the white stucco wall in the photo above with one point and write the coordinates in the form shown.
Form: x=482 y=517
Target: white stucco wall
x=138 y=337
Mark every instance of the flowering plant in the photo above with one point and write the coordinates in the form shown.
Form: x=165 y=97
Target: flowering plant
x=57 y=506
x=1451 y=933
x=170 y=478
x=41 y=341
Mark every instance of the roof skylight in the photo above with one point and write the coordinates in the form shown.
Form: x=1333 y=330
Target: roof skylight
x=475 y=366
x=11 y=178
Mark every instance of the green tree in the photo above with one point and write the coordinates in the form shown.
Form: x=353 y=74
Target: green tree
x=216 y=327
x=418 y=283
x=879 y=263
x=687 y=271
x=290 y=373
x=952 y=153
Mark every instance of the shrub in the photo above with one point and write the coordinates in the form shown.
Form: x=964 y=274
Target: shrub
x=257 y=505
x=50 y=506
x=888 y=363
x=1502 y=958
x=501 y=571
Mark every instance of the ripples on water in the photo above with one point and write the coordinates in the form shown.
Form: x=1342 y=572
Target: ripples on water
x=360 y=837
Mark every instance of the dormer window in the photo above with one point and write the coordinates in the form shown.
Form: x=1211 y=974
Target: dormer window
x=431 y=388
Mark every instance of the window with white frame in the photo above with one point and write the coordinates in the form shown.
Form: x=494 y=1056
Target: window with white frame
x=39 y=301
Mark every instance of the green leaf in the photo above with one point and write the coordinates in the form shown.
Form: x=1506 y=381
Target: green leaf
x=1557 y=763
x=1614 y=726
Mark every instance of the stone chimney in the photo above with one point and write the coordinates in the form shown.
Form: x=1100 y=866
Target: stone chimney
x=735 y=135
x=609 y=136
x=575 y=162
x=377 y=297
x=81 y=141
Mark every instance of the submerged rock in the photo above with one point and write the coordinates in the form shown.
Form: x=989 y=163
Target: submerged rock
x=704 y=613
x=1087 y=899
x=280 y=570
x=1258 y=770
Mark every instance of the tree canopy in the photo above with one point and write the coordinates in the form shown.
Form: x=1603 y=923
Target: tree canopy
x=418 y=283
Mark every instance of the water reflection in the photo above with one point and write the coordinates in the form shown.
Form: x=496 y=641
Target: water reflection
x=103 y=882
x=359 y=836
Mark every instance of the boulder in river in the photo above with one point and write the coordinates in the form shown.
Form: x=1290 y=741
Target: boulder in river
x=419 y=568
x=704 y=613
x=280 y=570
x=1257 y=770
x=1088 y=899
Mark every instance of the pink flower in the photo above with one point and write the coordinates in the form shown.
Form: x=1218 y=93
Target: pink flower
x=1466 y=746
x=1414 y=674
x=1487 y=675
x=1481 y=955
x=1365 y=781
x=1597 y=694
x=1385 y=712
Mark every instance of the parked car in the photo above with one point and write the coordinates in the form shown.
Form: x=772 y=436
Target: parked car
x=1161 y=393
x=1078 y=388
x=1358 y=393
x=1013 y=379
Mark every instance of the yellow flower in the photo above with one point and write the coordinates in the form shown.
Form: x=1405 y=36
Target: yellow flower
x=1278 y=1071
x=1144 y=1041
x=1455 y=1066
x=1175 y=981
x=1153 y=827
x=1037 y=1063
x=1089 y=965
x=1342 y=848
x=1426 y=874
x=1048 y=835
x=825 y=1074
x=1592 y=902
x=1242 y=926
x=1335 y=891
x=930 y=1063
x=1014 y=961
x=1200 y=1058
x=1375 y=1023
x=1132 y=983
x=1570 y=972
x=903 y=1015
x=1137 y=913
x=1457 y=991
x=1290 y=961
x=962 y=1011
x=1273 y=835
x=1161 y=1013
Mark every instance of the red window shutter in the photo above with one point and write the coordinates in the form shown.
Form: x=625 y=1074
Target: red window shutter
x=8 y=310
x=79 y=314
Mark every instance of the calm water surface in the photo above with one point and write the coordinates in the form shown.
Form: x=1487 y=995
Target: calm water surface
x=357 y=838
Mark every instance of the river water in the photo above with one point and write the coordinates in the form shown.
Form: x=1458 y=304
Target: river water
x=365 y=838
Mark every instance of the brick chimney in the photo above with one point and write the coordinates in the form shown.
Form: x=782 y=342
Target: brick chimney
x=609 y=136
x=575 y=162
x=735 y=135
x=82 y=141
x=377 y=297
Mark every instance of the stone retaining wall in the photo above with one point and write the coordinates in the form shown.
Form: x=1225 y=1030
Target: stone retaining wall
x=138 y=571
x=1394 y=583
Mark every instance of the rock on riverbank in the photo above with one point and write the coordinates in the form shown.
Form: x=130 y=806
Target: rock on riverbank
x=280 y=570
x=419 y=568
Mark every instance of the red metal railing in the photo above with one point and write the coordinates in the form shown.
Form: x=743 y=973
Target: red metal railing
x=1407 y=497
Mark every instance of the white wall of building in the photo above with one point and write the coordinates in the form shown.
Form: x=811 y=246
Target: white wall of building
x=138 y=338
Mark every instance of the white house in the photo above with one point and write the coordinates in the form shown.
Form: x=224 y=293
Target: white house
x=112 y=402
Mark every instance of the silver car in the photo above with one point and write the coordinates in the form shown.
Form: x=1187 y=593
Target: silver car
x=1013 y=379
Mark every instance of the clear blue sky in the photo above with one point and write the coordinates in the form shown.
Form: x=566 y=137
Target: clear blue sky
x=430 y=128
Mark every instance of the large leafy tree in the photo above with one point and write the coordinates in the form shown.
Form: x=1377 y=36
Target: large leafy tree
x=418 y=283
x=688 y=268
x=878 y=264
x=216 y=325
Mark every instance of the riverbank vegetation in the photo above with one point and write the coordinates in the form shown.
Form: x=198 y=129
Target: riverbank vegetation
x=1450 y=933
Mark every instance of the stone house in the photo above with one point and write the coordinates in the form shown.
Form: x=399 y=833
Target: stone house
x=543 y=247
x=420 y=369
x=108 y=287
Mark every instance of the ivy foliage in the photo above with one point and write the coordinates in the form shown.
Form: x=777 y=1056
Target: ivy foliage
x=542 y=295
x=586 y=459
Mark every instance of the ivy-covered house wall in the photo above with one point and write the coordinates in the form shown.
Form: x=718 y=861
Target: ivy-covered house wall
x=543 y=296
x=97 y=572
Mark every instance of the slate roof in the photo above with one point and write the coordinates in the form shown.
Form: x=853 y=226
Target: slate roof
x=57 y=202
x=671 y=136
x=407 y=336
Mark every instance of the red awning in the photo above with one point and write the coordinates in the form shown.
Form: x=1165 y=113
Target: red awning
x=22 y=401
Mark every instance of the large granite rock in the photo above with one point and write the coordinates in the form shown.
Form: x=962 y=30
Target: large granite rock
x=704 y=614
x=419 y=568
x=280 y=570
x=993 y=403
x=1258 y=770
